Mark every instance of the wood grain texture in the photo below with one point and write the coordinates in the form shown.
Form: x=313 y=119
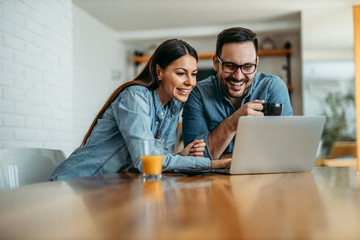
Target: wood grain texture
x=322 y=204
x=356 y=11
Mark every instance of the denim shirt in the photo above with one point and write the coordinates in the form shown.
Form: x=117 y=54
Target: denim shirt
x=208 y=105
x=137 y=113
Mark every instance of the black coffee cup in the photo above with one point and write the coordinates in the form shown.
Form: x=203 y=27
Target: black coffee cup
x=272 y=109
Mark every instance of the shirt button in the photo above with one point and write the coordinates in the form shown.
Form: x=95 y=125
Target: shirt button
x=156 y=122
x=162 y=113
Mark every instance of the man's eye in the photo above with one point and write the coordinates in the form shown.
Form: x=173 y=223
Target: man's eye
x=230 y=66
x=247 y=67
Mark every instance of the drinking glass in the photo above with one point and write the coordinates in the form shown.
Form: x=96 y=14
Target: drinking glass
x=152 y=154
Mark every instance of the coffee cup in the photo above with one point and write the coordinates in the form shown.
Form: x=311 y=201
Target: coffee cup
x=272 y=109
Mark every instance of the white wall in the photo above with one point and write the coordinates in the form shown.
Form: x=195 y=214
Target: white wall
x=327 y=34
x=58 y=65
x=36 y=74
x=328 y=54
x=98 y=58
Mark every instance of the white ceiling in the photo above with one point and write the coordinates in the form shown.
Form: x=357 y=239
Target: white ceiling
x=140 y=15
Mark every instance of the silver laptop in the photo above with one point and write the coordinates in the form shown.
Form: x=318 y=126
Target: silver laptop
x=274 y=144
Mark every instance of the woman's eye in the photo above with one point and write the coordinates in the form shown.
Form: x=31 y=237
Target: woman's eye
x=180 y=74
x=194 y=74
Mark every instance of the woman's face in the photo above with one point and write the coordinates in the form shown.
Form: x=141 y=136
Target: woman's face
x=177 y=79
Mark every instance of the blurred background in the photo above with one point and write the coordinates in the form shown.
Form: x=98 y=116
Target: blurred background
x=61 y=59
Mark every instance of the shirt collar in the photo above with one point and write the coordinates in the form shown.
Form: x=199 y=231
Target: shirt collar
x=173 y=106
x=219 y=90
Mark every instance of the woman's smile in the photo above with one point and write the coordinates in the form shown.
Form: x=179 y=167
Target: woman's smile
x=184 y=91
x=177 y=79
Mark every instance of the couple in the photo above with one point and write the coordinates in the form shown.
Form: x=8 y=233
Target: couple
x=149 y=107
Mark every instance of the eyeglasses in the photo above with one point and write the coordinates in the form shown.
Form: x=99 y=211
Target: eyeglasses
x=230 y=67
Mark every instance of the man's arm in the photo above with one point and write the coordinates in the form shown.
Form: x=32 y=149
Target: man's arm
x=194 y=122
x=221 y=136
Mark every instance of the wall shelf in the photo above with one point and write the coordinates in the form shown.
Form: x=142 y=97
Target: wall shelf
x=203 y=56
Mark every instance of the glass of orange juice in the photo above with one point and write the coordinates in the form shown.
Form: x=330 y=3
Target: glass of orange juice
x=152 y=154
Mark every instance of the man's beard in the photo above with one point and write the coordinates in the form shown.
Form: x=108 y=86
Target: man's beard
x=230 y=80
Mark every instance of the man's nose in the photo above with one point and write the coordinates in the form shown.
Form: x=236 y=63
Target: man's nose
x=238 y=74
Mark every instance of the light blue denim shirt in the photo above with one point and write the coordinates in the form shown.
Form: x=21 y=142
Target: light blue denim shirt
x=208 y=105
x=137 y=113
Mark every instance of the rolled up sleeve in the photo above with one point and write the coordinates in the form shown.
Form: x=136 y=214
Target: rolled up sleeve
x=194 y=122
x=278 y=93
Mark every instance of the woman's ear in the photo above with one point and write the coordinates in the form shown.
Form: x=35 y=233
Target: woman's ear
x=158 y=71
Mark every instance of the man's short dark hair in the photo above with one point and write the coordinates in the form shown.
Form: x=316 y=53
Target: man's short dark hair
x=236 y=34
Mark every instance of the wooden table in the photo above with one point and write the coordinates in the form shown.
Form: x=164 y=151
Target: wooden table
x=322 y=204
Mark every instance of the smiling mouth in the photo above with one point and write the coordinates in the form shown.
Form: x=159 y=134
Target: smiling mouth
x=186 y=91
x=237 y=83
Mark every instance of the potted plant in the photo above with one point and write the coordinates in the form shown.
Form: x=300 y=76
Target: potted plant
x=335 y=108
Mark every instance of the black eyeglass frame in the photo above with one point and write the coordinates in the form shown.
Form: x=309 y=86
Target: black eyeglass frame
x=237 y=66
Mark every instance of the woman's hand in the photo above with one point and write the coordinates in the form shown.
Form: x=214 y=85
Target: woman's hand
x=196 y=149
x=221 y=163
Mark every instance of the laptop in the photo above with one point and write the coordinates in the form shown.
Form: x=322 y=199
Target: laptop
x=275 y=144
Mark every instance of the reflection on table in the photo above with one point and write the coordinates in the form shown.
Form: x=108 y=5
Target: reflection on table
x=322 y=204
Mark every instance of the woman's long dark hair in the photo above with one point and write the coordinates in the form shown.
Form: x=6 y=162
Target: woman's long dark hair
x=164 y=55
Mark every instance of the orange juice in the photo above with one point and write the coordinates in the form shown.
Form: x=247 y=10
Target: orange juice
x=152 y=165
x=153 y=190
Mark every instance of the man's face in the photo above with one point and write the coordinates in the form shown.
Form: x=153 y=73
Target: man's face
x=235 y=85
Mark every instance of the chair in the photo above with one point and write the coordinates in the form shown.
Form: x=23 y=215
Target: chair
x=21 y=166
x=343 y=154
x=343 y=150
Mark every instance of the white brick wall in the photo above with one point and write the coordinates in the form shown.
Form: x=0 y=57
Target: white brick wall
x=36 y=74
x=56 y=64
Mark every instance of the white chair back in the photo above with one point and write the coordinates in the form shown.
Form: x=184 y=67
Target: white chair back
x=20 y=166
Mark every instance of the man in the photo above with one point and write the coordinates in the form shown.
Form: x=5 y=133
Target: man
x=216 y=103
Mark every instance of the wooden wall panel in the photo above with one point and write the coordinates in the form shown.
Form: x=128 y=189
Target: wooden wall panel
x=357 y=75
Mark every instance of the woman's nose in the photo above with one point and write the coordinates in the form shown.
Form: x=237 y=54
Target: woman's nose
x=191 y=80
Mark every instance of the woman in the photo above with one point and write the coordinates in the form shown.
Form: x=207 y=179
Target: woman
x=144 y=108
